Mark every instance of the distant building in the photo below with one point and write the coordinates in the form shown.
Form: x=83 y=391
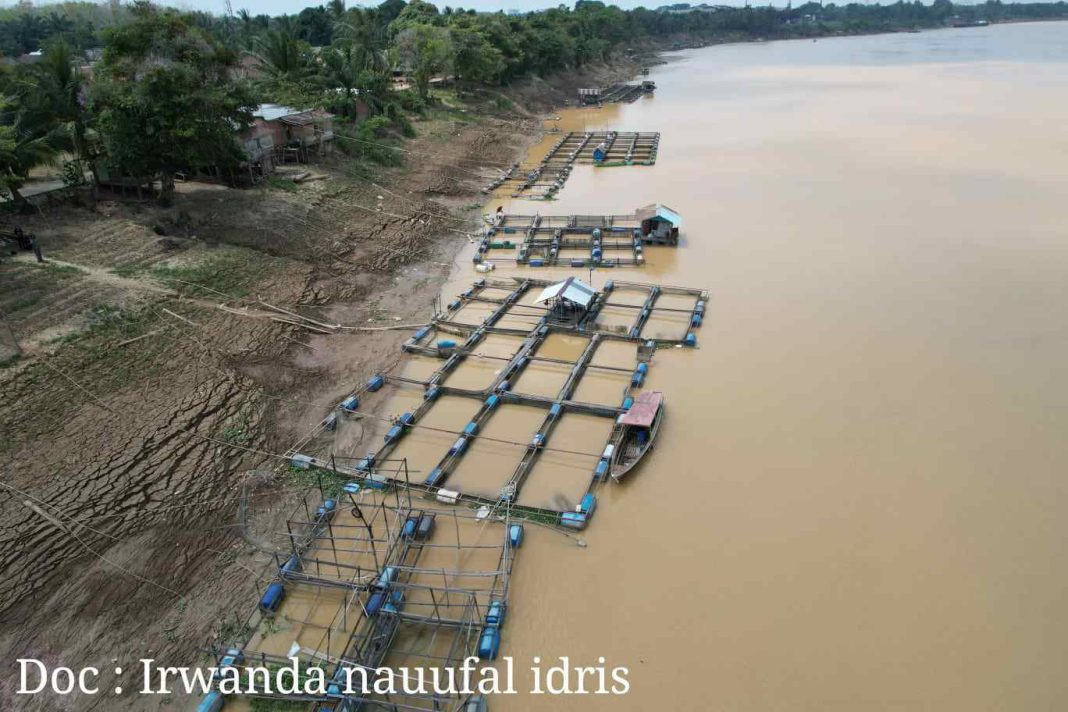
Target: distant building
x=290 y=133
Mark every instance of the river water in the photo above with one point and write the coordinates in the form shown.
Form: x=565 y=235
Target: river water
x=858 y=501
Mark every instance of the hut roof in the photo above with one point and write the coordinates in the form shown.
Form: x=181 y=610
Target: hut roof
x=660 y=211
x=289 y=115
x=571 y=289
x=643 y=411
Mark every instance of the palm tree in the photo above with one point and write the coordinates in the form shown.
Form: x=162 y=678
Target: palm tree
x=359 y=31
x=282 y=58
x=336 y=8
x=19 y=154
x=52 y=102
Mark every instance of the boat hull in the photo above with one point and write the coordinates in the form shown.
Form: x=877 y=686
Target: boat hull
x=623 y=465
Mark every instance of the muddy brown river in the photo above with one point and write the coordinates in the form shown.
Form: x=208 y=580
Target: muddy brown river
x=858 y=500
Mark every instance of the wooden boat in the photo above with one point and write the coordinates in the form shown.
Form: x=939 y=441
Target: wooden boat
x=638 y=429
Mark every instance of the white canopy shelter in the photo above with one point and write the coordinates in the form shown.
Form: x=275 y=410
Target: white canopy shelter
x=572 y=289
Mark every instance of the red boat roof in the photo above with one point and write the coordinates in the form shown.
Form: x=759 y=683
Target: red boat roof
x=642 y=412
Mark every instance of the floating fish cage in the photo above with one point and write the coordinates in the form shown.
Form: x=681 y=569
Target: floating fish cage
x=616 y=93
x=541 y=181
x=560 y=364
x=378 y=579
x=580 y=241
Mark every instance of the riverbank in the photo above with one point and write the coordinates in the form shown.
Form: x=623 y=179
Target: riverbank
x=153 y=388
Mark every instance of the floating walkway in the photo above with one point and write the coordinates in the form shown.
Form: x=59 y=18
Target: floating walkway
x=579 y=241
x=543 y=180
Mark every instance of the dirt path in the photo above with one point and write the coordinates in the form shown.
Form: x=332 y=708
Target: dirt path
x=144 y=458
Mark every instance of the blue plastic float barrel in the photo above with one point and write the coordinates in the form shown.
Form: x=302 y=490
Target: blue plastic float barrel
x=432 y=479
x=330 y=422
x=573 y=520
x=375 y=383
x=515 y=535
x=446 y=344
x=385 y=578
x=627 y=403
x=395 y=602
x=495 y=614
x=292 y=565
x=409 y=527
x=643 y=368
x=392 y=434
x=492 y=401
x=301 y=462
x=489 y=643
x=272 y=598
x=432 y=393
x=407 y=418
x=588 y=504
x=374 y=603
x=691 y=339
x=455 y=304
x=696 y=321
x=637 y=378
x=350 y=404
x=326 y=510
x=601 y=470
x=471 y=428
x=212 y=702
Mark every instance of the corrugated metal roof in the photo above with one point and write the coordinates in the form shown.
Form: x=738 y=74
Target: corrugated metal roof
x=571 y=289
x=659 y=210
x=273 y=112
x=642 y=412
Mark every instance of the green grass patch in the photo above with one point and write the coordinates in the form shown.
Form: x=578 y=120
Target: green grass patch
x=10 y=360
x=279 y=183
x=234 y=631
x=25 y=301
x=127 y=271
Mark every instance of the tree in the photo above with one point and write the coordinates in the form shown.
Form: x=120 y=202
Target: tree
x=282 y=57
x=425 y=50
x=21 y=152
x=51 y=98
x=415 y=13
x=475 y=59
x=164 y=98
x=336 y=8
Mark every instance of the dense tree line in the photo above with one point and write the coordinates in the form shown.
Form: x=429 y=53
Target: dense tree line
x=168 y=89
